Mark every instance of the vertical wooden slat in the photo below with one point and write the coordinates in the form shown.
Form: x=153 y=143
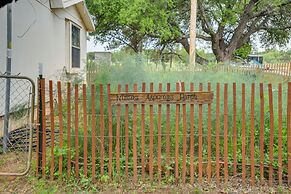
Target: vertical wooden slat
x=94 y=134
x=225 y=109
x=252 y=146
x=209 y=138
x=134 y=138
x=43 y=127
x=126 y=135
x=77 y=130
x=262 y=129
x=280 y=133
x=234 y=131
x=192 y=138
x=69 y=127
x=60 y=114
x=151 y=135
x=38 y=127
x=217 y=133
x=160 y=136
x=109 y=132
x=168 y=143
x=51 y=99
x=243 y=126
x=177 y=137
x=184 y=167
x=101 y=130
x=289 y=131
x=85 y=131
x=271 y=147
x=200 y=140
x=143 y=134
x=117 y=147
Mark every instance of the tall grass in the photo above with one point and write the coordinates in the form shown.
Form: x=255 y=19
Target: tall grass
x=130 y=72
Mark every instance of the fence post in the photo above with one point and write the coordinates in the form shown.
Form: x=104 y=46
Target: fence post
x=289 y=132
x=39 y=132
x=217 y=139
x=52 y=120
x=40 y=120
x=271 y=146
x=200 y=139
x=262 y=128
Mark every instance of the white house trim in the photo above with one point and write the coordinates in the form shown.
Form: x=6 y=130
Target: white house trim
x=63 y=3
x=81 y=7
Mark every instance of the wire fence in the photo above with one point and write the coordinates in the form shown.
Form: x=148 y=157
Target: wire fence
x=16 y=119
x=245 y=131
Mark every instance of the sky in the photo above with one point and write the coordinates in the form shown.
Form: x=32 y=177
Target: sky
x=92 y=47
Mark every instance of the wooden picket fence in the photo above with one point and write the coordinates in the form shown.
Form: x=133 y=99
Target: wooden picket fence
x=245 y=132
x=283 y=69
x=279 y=69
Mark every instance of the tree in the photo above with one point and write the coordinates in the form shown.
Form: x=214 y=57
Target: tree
x=228 y=25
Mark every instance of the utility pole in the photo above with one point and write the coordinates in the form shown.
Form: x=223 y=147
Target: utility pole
x=193 y=32
x=8 y=72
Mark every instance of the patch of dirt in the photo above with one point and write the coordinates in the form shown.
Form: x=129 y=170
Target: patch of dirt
x=13 y=162
x=31 y=184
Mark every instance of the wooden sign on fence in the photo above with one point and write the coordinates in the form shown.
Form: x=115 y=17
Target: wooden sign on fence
x=161 y=98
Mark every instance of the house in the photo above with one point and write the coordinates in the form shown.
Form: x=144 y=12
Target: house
x=100 y=57
x=51 y=32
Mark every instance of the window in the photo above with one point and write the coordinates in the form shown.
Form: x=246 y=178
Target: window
x=76 y=50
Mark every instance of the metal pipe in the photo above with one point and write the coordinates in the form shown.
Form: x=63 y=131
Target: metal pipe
x=8 y=81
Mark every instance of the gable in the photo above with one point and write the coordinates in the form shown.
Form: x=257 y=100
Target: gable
x=82 y=10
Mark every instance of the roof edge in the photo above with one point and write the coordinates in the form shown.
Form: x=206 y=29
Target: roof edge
x=81 y=7
x=85 y=15
x=63 y=3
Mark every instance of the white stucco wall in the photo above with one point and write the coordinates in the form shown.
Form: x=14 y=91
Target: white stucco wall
x=39 y=36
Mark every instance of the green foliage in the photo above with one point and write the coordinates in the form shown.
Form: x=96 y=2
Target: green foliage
x=226 y=25
x=275 y=56
x=104 y=179
x=243 y=51
x=126 y=71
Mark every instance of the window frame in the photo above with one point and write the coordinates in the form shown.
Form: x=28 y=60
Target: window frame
x=72 y=46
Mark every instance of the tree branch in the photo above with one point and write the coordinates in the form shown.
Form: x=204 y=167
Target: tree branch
x=205 y=23
x=203 y=37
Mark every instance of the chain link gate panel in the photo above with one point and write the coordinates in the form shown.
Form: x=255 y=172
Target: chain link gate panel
x=17 y=98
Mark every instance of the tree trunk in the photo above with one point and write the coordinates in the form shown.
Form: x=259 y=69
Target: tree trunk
x=184 y=42
x=221 y=50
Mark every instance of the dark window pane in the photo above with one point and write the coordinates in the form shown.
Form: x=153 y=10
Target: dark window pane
x=76 y=60
x=75 y=36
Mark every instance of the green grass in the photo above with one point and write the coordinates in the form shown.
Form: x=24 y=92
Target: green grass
x=131 y=73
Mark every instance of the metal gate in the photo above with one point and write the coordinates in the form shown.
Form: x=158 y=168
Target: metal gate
x=17 y=98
